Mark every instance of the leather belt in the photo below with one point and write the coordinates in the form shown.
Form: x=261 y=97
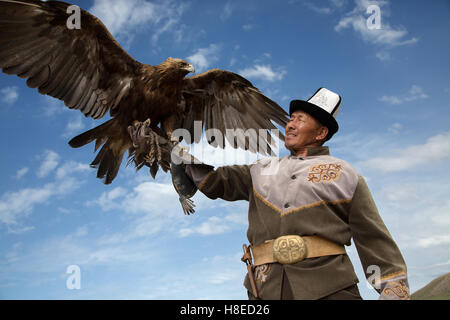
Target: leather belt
x=293 y=248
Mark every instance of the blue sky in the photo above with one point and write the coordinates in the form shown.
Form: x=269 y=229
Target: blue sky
x=131 y=240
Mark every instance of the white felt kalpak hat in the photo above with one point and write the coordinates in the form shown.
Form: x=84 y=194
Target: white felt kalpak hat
x=324 y=106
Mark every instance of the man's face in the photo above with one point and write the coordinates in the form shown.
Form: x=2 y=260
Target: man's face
x=303 y=131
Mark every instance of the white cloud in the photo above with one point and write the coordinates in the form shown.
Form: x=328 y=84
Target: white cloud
x=203 y=58
x=248 y=26
x=107 y=198
x=124 y=17
x=53 y=106
x=383 y=56
x=20 y=173
x=338 y=3
x=226 y=11
x=213 y=225
x=16 y=204
x=71 y=167
x=401 y=194
x=386 y=35
x=9 y=95
x=263 y=72
x=75 y=125
x=415 y=93
x=20 y=230
x=223 y=277
x=12 y=204
x=211 y=277
x=436 y=149
x=216 y=225
x=54 y=253
x=266 y=56
x=153 y=198
x=395 y=128
x=311 y=4
x=152 y=206
x=442 y=218
x=48 y=164
x=414 y=205
x=391 y=99
x=81 y=231
x=435 y=240
x=319 y=10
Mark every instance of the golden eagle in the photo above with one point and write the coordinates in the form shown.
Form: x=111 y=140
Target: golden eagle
x=88 y=70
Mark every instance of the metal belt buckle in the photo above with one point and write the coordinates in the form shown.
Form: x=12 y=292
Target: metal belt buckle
x=289 y=249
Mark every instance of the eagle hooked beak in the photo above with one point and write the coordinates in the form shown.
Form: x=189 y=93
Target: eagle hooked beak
x=190 y=68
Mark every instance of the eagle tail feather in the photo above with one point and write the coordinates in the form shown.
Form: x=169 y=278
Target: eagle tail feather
x=109 y=158
x=107 y=163
x=99 y=133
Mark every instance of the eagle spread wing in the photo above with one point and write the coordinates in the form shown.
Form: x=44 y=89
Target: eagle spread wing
x=88 y=70
x=225 y=101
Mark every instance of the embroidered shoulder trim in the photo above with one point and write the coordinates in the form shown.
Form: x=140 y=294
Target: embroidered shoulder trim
x=267 y=203
x=316 y=204
x=311 y=205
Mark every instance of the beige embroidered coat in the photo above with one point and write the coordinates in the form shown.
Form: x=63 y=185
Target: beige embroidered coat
x=316 y=195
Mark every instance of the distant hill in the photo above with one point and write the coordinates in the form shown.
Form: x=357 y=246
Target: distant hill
x=438 y=289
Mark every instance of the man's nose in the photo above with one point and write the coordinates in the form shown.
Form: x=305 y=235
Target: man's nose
x=289 y=125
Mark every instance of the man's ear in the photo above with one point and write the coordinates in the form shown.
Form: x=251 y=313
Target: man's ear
x=322 y=133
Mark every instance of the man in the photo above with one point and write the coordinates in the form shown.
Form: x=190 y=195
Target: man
x=303 y=210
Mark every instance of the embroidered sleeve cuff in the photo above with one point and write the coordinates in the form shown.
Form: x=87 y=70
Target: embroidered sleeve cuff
x=395 y=287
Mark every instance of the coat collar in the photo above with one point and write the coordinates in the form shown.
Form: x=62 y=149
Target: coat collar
x=314 y=151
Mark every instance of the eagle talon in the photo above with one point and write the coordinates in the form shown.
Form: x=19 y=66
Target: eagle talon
x=152 y=150
x=187 y=205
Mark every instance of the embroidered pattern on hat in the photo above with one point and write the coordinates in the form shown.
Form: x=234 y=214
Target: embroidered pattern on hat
x=325 y=172
x=320 y=99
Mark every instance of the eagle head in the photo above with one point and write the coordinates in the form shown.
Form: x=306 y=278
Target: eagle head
x=178 y=65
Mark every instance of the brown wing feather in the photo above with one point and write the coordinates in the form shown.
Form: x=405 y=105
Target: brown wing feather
x=224 y=100
x=86 y=68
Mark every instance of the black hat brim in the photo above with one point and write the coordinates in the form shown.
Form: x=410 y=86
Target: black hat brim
x=318 y=113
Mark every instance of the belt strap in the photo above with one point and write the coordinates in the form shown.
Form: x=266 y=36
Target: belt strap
x=292 y=249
